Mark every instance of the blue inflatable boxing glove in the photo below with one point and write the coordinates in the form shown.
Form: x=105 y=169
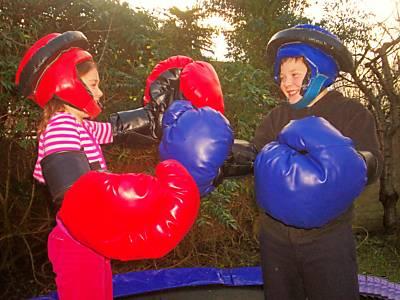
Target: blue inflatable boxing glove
x=311 y=175
x=199 y=138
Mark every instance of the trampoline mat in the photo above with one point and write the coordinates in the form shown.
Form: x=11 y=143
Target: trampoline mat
x=213 y=293
x=217 y=284
x=204 y=292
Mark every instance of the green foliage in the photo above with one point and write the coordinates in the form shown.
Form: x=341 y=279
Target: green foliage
x=127 y=44
x=351 y=23
x=254 y=22
x=216 y=205
x=183 y=34
x=247 y=96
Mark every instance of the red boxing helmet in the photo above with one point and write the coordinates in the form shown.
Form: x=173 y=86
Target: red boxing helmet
x=48 y=69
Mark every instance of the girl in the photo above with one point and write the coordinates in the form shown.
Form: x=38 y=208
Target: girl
x=81 y=273
x=60 y=76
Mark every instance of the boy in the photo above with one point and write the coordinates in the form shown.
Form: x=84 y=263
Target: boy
x=308 y=262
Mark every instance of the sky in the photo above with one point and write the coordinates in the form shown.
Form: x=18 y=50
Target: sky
x=383 y=9
x=219 y=44
x=154 y=4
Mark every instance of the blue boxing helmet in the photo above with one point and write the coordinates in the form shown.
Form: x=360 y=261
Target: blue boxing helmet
x=323 y=52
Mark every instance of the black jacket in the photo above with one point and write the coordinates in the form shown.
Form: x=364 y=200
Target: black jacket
x=350 y=117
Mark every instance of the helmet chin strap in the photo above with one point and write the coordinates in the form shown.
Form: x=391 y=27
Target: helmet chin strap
x=312 y=91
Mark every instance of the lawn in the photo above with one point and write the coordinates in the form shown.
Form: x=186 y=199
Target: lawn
x=378 y=254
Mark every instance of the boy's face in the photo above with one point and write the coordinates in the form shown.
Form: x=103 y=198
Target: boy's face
x=292 y=74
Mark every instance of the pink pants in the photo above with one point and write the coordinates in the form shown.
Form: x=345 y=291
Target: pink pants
x=80 y=272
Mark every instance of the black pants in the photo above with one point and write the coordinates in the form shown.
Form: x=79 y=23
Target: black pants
x=316 y=264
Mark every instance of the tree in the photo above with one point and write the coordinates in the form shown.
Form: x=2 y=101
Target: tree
x=375 y=82
x=378 y=79
x=183 y=33
x=254 y=22
x=126 y=44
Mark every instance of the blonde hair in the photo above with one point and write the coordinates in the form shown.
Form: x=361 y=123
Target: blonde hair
x=57 y=105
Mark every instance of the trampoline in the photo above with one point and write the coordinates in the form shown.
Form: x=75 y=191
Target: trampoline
x=216 y=284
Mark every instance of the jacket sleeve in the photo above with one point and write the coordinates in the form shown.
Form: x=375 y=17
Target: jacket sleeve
x=361 y=128
x=266 y=132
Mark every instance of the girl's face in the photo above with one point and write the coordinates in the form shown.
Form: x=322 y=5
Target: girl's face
x=91 y=79
x=292 y=74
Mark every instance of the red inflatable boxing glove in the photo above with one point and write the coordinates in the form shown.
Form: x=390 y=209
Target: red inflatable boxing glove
x=132 y=216
x=164 y=77
x=181 y=78
x=200 y=85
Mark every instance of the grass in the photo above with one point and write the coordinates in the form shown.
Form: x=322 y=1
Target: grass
x=377 y=253
x=379 y=256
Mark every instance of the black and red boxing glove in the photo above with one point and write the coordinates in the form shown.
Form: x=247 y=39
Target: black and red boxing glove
x=162 y=85
x=142 y=126
x=199 y=84
x=176 y=78
x=181 y=78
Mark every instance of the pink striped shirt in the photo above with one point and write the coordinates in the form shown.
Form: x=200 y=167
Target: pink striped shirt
x=65 y=133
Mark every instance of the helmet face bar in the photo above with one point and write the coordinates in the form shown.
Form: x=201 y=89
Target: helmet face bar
x=48 y=70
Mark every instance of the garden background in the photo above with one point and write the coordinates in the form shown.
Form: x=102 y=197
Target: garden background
x=127 y=43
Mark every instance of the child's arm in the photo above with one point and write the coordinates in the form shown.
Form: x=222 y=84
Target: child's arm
x=361 y=128
x=60 y=138
x=102 y=131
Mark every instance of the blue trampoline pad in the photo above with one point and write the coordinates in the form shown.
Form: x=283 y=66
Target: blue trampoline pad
x=216 y=284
